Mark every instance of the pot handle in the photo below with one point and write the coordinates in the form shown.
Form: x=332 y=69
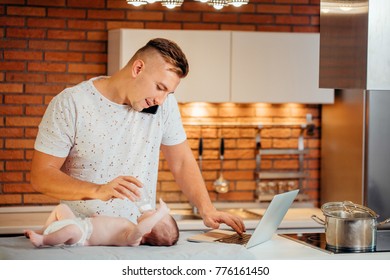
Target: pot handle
x=384 y=222
x=318 y=220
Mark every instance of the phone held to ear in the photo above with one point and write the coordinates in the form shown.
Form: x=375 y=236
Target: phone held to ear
x=150 y=110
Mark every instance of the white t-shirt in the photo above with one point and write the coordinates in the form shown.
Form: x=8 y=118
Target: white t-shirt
x=103 y=140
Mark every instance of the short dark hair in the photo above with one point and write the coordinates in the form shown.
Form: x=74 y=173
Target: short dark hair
x=170 y=52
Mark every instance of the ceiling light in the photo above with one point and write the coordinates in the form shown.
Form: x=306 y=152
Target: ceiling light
x=137 y=3
x=170 y=4
x=218 y=4
x=237 y=3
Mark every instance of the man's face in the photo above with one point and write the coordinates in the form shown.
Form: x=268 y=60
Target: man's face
x=154 y=82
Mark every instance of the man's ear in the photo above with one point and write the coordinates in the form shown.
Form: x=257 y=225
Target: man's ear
x=137 y=67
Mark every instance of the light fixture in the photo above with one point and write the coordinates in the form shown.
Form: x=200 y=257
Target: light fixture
x=237 y=3
x=170 y=4
x=137 y=3
x=218 y=4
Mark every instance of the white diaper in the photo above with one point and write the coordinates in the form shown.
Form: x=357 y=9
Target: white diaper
x=85 y=226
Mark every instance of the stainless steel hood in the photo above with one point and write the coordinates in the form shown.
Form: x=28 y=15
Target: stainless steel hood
x=354 y=42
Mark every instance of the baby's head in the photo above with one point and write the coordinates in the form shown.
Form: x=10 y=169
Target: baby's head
x=164 y=233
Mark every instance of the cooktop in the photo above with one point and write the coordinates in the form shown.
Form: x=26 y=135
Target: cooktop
x=318 y=241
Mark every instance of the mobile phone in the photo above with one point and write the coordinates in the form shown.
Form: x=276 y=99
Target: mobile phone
x=150 y=110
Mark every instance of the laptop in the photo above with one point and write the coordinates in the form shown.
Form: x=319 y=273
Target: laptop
x=264 y=230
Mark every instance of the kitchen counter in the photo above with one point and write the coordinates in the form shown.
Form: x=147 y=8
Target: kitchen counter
x=13 y=220
x=278 y=248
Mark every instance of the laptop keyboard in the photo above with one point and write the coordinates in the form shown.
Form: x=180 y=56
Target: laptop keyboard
x=235 y=239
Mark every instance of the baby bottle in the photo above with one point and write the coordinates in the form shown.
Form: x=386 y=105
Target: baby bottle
x=144 y=203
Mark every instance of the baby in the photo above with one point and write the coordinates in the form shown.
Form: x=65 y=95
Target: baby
x=155 y=227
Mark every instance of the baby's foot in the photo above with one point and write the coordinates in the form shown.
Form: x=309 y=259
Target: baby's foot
x=35 y=238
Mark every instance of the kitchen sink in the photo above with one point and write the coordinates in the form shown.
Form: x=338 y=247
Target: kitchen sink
x=187 y=214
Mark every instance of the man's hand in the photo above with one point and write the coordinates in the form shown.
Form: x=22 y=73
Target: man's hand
x=121 y=187
x=214 y=218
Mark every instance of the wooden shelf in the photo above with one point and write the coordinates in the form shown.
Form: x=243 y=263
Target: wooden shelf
x=281 y=175
x=283 y=152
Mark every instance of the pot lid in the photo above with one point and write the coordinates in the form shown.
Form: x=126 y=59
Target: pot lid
x=347 y=210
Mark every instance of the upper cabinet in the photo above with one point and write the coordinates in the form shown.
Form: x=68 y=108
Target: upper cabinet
x=230 y=66
x=207 y=52
x=277 y=67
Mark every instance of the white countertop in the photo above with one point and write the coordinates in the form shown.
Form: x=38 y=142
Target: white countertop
x=278 y=248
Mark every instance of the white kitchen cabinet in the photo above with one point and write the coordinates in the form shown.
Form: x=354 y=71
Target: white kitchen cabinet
x=208 y=54
x=236 y=66
x=276 y=67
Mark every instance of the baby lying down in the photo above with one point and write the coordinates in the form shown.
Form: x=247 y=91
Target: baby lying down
x=155 y=227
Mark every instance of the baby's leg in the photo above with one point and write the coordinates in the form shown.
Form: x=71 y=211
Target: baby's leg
x=60 y=212
x=68 y=235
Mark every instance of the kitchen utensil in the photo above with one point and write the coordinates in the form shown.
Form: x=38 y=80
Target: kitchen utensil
x=200 y=153
x=349 y=226
x=221 y=185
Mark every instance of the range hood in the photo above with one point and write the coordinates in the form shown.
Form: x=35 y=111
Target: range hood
x=354 y=42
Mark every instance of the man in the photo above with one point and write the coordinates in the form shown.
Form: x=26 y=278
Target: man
x=96 y=148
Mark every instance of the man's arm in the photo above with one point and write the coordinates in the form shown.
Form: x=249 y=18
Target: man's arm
x=47 y=178
x=189 y=178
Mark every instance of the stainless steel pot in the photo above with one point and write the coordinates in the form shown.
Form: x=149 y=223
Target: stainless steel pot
x=349 y=226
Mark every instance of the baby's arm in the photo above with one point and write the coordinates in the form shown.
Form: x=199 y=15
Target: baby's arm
x=146 y=225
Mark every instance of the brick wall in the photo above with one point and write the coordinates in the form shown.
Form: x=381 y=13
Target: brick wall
x=47 y=45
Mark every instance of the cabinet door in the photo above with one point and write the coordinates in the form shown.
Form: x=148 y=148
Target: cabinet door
x=208 y=54
x=277 y=68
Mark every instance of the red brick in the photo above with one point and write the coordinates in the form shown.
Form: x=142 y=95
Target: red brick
x=292 y=20
x=22 y=121
x=46 y=67
x=10 y=199
x=87 y=24
x=87 y=68
x=97 y=36
x=13 y=44
x=47 y=45
x=11 y=154
x=11 y=88
x=11 y=176
x=23 y=55
x=57 y=3
x=19 y=143
x=106 y=14
x=65 y=78
x=86 y=3
x=31 y=133
x=39 y=199
x=25 y=77
x=96 y=57
x=273 y=9
x=66 y=35
x=11 y=132
x=23 y=99
x=47 y=23
x=124 y=24
x=35 y=110
x=66 y=13
x=17 y=165
x=43 y=89
x=26 y=11
x=12 y=66
x=26 y=33
x=17 y=188
x=11 y=21
x=87 y=46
